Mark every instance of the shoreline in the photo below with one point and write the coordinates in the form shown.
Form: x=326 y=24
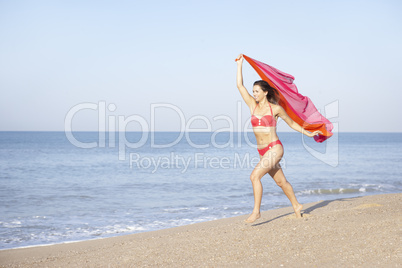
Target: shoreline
x=341 y=231
x=147 y=231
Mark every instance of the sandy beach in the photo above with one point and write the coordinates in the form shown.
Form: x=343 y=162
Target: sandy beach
x=352 y=232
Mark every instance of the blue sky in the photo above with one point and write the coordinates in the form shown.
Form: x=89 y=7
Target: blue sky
x=55 y=55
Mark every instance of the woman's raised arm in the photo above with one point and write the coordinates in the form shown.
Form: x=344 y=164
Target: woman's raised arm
x=243 y=91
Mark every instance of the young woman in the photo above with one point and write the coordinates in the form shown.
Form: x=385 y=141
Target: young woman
x=264 y=113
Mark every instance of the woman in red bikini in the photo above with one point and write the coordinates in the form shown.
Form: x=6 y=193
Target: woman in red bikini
x=265 y=112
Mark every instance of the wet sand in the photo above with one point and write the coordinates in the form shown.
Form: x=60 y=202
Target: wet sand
x=358 y=232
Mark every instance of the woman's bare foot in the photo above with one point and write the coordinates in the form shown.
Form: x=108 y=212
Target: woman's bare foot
x=298 y=210
x=253 y=217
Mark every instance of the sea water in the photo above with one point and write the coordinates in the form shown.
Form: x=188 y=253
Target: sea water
x=52 y=190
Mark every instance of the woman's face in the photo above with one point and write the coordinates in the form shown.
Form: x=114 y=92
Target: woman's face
x=258 y=94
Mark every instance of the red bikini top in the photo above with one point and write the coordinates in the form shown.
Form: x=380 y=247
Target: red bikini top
x=265 y=121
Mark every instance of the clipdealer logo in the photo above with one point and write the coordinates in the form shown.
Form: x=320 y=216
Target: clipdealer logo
x=116 y=127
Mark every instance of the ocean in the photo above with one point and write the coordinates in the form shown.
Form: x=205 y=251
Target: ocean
x=56 y=189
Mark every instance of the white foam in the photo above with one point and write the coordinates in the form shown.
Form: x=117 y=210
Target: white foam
x=175 y=209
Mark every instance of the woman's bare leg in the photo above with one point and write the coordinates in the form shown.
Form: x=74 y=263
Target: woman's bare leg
x=280 y=179
x=267 y=162
x=255 y=178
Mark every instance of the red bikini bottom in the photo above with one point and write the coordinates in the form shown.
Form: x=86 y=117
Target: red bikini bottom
x=272 y=144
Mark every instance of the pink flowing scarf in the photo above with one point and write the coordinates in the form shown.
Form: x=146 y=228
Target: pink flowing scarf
x=300 y=108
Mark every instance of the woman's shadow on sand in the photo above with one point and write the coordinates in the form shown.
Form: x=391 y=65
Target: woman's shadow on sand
x=308 y=210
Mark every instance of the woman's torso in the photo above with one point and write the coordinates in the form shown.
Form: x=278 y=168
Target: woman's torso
x=264 y=125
